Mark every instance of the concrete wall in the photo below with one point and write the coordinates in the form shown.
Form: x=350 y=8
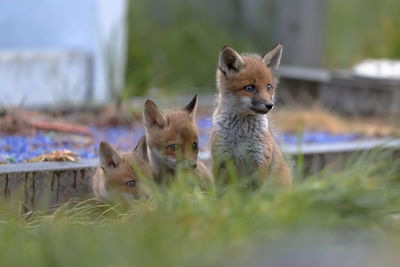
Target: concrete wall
x=56 y=182
x=340 y=91
x=42 y=77
x=87 y=27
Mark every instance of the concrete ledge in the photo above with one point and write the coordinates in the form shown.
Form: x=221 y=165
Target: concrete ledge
x=345 y=147
x=47 y=165
x=52 y=182
x=56 y=182
x=316 y=157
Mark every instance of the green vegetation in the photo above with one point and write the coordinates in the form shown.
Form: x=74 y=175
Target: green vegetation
x=185 y=226
x=361 y=29
x=173 y=44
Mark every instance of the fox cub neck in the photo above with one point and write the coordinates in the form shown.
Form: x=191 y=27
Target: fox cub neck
x=246 y=85
x=242 y=138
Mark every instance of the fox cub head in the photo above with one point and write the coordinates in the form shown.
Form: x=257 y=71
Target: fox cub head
x=172 y=137
x=121 y=175
x=247 y=83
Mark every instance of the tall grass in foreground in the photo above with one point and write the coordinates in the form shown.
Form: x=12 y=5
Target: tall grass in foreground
x=182 y=225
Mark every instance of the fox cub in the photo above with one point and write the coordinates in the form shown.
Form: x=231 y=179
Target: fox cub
x=240 y=133
x=121 y=175
x=172 y=139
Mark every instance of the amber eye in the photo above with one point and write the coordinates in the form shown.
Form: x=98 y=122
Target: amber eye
x=131 y=183
x=249 y=88
x=172 y=147
x=195 y=146
x=269 y=87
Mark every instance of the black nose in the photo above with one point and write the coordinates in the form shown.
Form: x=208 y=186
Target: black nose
x=194 y=165
x=269 y=105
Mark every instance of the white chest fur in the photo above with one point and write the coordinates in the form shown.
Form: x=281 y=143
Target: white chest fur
x=241 y=138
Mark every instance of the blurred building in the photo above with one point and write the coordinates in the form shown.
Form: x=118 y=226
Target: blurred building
x=54 y=51
x=74 y=51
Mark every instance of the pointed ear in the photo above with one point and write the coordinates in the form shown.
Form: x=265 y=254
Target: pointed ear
x=230 y=61
x=109 y=158
x=272 y=58
x=153 y=117
x=191 y=108
x=141 y=148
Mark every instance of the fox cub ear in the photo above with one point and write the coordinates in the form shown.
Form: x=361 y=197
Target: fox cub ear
x=109 y=158
x=191 y=108
x=230 y=61
x=153 y=117
x=141 y=148
x=272 y=58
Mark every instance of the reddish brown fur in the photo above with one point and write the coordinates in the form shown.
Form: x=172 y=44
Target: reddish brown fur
x=254 y=72
x=181 y=130
x=275 y=164
x=132 y=167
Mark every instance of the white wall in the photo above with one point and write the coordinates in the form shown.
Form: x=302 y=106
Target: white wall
x=61 y=29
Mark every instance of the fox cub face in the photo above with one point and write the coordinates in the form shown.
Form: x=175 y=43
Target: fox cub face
x=120 y=174
x=247 y=82
x=172 y=137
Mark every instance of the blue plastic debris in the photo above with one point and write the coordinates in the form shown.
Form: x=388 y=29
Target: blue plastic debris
x=18 y=148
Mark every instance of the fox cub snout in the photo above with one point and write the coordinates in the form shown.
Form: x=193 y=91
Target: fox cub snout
x=248 y=81
x=172 y=139
x=121 y=175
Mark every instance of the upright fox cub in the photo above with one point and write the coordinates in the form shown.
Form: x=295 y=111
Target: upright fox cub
x=121 y=175
x=172 y=137
x=240 y=133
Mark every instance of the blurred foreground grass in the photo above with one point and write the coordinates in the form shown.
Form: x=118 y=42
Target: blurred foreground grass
x=353 y=204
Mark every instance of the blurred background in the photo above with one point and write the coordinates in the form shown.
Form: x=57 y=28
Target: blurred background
x=96 y=50
x=315 y=33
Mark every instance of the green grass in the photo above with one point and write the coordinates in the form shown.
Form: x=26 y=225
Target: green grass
x=173 y=44
x=361 y=29
x=185 y=226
